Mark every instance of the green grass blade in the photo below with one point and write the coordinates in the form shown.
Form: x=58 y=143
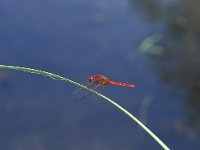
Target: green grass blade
x=29 y=70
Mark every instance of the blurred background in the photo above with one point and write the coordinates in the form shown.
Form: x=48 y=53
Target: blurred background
x=153 y=44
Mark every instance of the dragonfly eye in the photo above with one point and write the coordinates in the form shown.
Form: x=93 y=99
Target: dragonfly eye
x=90 y=79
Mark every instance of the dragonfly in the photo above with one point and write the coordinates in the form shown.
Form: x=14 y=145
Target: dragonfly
x=98 y=82
x=103 y=81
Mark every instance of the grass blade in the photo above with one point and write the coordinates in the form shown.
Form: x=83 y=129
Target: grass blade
x=55 y=76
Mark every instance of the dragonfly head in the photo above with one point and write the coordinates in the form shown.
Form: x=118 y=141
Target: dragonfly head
x=91 y=79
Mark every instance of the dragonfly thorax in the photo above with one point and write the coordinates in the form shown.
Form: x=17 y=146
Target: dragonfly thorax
x=98 y=79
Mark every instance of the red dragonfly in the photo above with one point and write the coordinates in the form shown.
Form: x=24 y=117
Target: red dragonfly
x=100 y=81
x=103 y=81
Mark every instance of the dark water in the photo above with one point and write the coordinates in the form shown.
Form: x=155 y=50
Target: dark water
x=80 y=38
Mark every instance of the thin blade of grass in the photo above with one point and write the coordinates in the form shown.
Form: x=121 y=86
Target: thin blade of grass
x=30 y=70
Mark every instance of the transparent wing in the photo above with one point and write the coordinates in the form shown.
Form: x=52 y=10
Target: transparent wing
x=80 y=92
x=96 y=88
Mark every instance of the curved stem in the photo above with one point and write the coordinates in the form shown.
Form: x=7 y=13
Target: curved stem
x=55 y=76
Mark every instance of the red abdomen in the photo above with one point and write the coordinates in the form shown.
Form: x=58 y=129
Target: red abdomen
x=120 y=83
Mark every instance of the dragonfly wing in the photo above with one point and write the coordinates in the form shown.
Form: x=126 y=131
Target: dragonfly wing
x=79 y=92
x=95 y=88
